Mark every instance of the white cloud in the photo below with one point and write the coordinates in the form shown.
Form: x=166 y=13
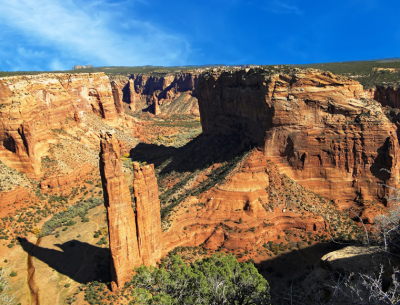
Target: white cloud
x=282 y=7
x=95 y=31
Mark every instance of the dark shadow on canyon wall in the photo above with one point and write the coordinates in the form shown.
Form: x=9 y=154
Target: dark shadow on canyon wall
x=79 y=261
x=288 y=270
x=382 y=162
x=197 y=154
x=295 y=265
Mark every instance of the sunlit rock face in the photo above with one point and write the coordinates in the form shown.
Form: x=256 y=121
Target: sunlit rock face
x=145 y=189
x=134 y=239
x=121 y=217
x=31 y=106
x=316 y=126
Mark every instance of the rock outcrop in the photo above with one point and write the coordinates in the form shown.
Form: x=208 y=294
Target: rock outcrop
x=236 y=213
x=385 y=95
x=121 y=217
x=75 y=175
x=134 y=239
x=162 y=92
x=314 y=125
x=148 y=215
x=32 y=106
x=118 y=96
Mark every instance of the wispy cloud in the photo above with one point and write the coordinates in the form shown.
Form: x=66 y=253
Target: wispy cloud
x=281 y=7
x=82 y=32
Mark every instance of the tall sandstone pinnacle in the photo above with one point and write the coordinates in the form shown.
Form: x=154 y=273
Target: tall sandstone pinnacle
x=145 y=189
x=134 y=239
x=121 y=218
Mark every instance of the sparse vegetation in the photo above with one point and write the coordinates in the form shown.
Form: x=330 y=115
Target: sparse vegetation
x=64 y=218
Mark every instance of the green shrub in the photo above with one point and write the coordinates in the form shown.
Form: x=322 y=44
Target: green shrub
x=13 y=273
x=219 y=279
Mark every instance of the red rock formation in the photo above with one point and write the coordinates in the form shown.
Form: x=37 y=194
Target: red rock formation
x=313 y=124
x=385 y=95
x=132 y=95
x=121 y=218
x=235 y=214
x=33 y=105
x=134 y=240
x=167 y=89
x=117 y=95
x=11 y=197
x=59 y=180
x=148 y=213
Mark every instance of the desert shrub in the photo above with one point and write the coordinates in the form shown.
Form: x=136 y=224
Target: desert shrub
x=13 y=273
x=219 y=279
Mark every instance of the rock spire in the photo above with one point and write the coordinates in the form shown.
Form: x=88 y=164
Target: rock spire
x=134 y=239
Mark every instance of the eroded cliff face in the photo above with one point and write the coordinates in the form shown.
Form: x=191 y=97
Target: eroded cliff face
x=314 y=125
x=238 y=213
x=134 y=239
x=167 y=94
x=385 y=95
x=33 y=106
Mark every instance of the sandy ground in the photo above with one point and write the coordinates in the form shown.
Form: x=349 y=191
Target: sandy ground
x=72 y=258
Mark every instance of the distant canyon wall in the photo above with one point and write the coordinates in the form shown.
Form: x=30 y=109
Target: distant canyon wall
x=314 y=125
x=385 y=95
x=167 y=94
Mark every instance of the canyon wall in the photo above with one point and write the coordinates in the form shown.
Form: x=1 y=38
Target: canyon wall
x=157 y=93
x=385 y=95
x=32 y=106
x=239 y=214
x=134 y=239
x=316 y=126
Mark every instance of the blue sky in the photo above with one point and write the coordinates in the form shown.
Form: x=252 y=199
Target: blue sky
x=57 y=34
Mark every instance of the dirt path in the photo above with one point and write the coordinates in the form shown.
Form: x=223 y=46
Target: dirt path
x=34 y=290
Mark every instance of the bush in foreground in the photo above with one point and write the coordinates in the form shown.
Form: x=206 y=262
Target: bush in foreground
x=219 y=279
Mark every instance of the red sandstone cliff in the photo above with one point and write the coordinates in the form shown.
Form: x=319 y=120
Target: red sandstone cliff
x=313 y=124
x=161 y=93
x=385 y=95
x=32 y=106
x=237 y=214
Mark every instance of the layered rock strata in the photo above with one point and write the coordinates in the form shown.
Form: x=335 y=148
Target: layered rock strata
x=32 y=106
x=236 y=213
x=315 y=125
x=162 y=92
x=121 y=217
x=134 y=239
